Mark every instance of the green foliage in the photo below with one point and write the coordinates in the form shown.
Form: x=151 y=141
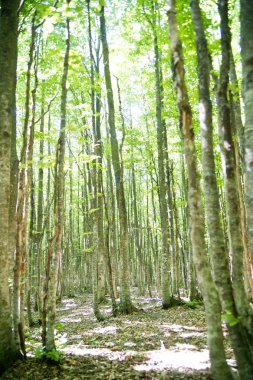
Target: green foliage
x=230 y=319
x=193 y=304
x=53 y=356
x=59 y=326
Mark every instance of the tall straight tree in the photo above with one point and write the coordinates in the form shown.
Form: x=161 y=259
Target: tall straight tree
x=219 y=365
x=126 y=305
x=8 y=65
x=21 y=243
x=161 y=134
x=247 y=69
x=219 y=256
x=55 y=242
x=232 y=197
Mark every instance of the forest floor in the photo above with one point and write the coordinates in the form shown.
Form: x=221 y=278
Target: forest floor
x=149 y=344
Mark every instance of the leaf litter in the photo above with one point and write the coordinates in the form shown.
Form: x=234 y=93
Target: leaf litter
x=150 y=344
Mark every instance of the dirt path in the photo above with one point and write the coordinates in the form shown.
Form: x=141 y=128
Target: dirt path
x=150 y=344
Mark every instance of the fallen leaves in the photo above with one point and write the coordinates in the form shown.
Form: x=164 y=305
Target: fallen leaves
x=126 y=347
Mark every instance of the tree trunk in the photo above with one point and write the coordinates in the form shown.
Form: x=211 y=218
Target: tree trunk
x=126 y=305
x=219 y=365
x=233 y=205
x=20 y=259
x=163 y=205
x=247 y=69
x=219 y=256
x=55 y=243
x=8 y=65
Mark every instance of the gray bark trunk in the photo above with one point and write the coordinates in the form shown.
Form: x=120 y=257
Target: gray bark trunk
x=219 y=256
x=247 y=68
x=125 y=295
x=8 y=64
x=219 y=365
x=55 y=243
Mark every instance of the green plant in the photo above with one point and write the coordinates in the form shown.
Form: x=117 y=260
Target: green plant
x=230 y=319
x=192 y=304
x=53 y=356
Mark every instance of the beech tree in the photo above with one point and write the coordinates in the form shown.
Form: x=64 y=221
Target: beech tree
x=215 y=336
x=247 y=67
x=125 y=295
x=102 y=195
x=55 y=242
x=8 y=65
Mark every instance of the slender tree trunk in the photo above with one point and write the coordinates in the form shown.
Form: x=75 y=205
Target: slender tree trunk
x=233 y=204
x=30 y=258
x=22 y=206
x=55 y=243
x=247 y=69
x=125 y=295
x=219 y=256
x=39 y=226
x=163 y=205
x=219 y=365
x=8 y=65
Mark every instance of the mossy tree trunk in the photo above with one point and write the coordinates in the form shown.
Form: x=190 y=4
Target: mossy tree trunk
x=219 y=365
x=218 y=253
x=247 y=69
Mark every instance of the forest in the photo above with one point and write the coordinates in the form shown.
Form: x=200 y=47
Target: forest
x=126 y=189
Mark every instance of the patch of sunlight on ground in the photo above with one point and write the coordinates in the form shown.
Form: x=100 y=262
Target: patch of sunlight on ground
x=67 y=304
x=82 y=350
x=183 y=357
x=106 y=330
x=71 y=319
x=127 y=322
x=191 y=335
x=190 y=331
x=174 y=327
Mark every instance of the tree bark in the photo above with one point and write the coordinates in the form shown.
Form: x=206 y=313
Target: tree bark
x=163 y=205
x=247 y=69
x=233 y=204
x=8 y=65
x=126 y=305
x=218 y=254
x=55 y=243
x=219 y=365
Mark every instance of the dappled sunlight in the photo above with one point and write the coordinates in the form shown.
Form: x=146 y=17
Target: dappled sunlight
x=188 y=335
x=71 y=319
x=67 y=304
x=106 y=330
x=189 y=331
x=172 y=327
x=83 y=350
x=127 y=322
x=181 y=359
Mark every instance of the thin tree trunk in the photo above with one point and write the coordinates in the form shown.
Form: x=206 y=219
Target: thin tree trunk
x=219 y=365
x=247 y=69
x=22 y=206
x=8 y=65
x=163 y=205
x=126 y=305
x=55 y=243
x=233 y=204
x=219 y=256
x=39 y=234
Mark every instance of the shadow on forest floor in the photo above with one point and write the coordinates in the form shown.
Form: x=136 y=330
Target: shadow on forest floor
x=150 y=344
